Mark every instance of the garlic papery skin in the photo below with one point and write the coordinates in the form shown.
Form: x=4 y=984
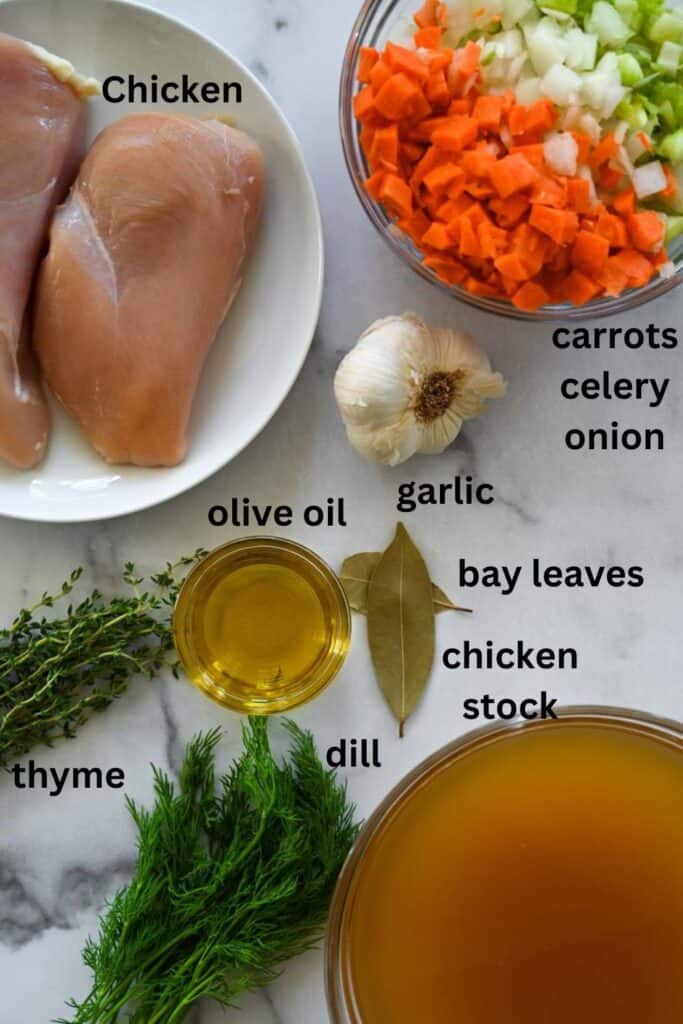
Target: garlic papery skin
x=407 y=388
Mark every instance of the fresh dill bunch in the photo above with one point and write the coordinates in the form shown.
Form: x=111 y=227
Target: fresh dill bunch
x=233 y=878
x=55 y=673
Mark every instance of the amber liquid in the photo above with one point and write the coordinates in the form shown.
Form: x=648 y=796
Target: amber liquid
x=535 y=880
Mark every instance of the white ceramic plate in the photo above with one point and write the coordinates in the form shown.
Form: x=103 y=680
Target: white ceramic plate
x=266 y=336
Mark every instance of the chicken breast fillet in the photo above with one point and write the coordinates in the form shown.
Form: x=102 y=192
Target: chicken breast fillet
x=42 y=135
x=145 y=259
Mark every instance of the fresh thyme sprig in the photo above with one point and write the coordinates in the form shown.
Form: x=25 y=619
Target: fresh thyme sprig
x=230 y=882
x=55 y=673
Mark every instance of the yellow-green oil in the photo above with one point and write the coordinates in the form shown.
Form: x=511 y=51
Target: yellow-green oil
x=262 y=626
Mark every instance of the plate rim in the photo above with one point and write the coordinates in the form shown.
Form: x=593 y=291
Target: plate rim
x=144 y=504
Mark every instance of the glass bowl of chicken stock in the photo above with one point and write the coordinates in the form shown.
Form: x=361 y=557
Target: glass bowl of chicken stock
x=379 y=22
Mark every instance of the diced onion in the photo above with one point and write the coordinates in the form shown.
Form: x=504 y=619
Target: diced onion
x=667 y=269
x=561 y=152
x=649 y=179
x=561 y=85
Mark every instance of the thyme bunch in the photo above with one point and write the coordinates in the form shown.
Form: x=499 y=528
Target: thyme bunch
x=231 y=881
x=55 y=673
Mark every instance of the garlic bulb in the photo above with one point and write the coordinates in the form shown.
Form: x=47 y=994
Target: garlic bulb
x=408 y=388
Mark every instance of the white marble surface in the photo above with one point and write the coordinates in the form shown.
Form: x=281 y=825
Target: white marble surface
x=60 y=858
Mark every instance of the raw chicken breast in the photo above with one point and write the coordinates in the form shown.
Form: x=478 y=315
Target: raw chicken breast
x=145 y=259
x=42 y=126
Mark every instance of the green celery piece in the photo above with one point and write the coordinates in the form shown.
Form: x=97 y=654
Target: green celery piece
x=629 y=69
x=630 y=12
x=671 y=147
x=674 y=228
x=667 y=26
x=565 y=6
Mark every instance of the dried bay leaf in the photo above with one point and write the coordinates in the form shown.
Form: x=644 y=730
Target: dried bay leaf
x=357 y=572
x=401 y=626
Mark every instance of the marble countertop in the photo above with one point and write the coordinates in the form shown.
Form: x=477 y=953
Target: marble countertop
x=61 y=858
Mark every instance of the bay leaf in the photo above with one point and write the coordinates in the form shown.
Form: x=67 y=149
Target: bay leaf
x=355 y=577
x=401 y=627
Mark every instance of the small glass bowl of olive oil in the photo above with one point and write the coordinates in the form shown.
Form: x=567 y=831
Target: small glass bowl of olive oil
x=262 y=625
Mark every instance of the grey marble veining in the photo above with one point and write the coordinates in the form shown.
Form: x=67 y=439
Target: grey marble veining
x=61 y=858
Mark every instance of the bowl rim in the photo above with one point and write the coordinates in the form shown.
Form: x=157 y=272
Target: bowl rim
x=400 y=244
x=313 y=685
x=334 y=976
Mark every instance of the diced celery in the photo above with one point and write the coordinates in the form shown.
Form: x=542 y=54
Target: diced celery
x=608 y=25
x=634 y=113
x=670 y=56
x=629 y=69
x=565 y=6
x=671 y=147
x=674 y=228
x=630 y=12
x=514 y=11
x=582 y=50
x=669 y=25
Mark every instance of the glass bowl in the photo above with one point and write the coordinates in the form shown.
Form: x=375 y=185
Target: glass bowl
x=375 y=26
x=262 y=625
x=341 y=1002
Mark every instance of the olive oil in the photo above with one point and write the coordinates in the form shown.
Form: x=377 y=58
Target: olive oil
x=262 y=625
x=532 y=877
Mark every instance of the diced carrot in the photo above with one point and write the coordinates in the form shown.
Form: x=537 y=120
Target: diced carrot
x=441 y=177
x=374 y=183
x=462 y=106
x=560 y=225
x=533 y=153
x=589 y=252
x=477 y=287
x=367 y=137
x=460 y=132
x=456 y=188
x=585 y=144
x=479 y=190
x=478 y=162
x=477 y=215
x=398 y=97
x=429 y=38
x=579 y=195
x=396 y=194
x=449 y=270
x=364 y=103
x=437 y=237
x=432 y=12
x=509 y=211
x=560 y=261
x=671 y=189
x=488 y=111
x=412 y=152
x=512 y=174
x=604 y=151
x=469 y=60
x=625 y=202
x=530 y=297
x=384 y=150
x=612 y=278
x=366 y=62
x=578 y=289
x=437 y=90
x=431 y=159
x=613 y=229
x=532 y=247
x=513 y=266
x=423 y=131
x=380 y=74
x=400 y=58
x=537 y=118
x=646 y=230
x=610 y=177
x=492 y=240
x=550 y=192
x=636 y=267
x=416 y=226
x=460 y=206
x=469 y=243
